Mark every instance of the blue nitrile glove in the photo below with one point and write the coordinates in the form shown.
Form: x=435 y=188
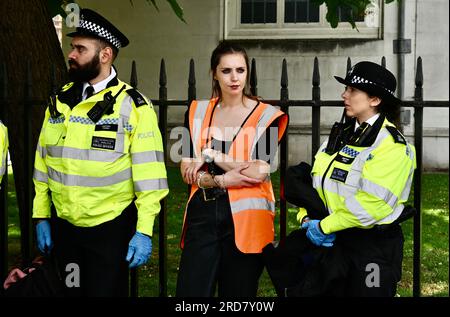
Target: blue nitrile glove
x=329 y=240
x=44 y=237
x=139 y=249
x=315 y=234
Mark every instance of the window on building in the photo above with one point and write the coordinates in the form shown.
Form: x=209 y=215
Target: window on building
x=258 y=11
x=277 y=19
x=301 y=11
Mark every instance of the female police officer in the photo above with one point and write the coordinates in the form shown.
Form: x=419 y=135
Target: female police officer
x=363 y=180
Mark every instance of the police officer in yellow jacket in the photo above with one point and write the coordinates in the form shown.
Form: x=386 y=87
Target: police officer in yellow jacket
x=363 y=174
x=99 y=154
x=3 y=149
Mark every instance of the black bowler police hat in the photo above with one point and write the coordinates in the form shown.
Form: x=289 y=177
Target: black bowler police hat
x=94 y=25
x=373 y=79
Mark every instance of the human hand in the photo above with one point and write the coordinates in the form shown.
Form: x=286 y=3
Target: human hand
x=234 y=178
x=190 y=173
x=315 y=234
x=139 y=250
x=44 y=237
x=329 y=240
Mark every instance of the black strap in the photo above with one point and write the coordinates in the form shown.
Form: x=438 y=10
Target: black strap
x=243 y=123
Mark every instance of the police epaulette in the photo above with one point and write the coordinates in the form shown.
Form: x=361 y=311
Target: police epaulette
x=138 y=99
x=398 y=137
x=66 y=86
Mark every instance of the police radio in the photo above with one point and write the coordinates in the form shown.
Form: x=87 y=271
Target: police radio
x=336 y=138
x=104 y=106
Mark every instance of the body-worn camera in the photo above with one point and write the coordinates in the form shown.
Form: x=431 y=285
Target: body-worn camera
x=336 y=138
x=103 y=107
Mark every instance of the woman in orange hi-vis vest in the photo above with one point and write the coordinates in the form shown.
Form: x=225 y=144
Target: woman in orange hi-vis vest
x=233 y=139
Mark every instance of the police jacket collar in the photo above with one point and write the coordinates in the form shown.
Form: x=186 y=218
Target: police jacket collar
x=72 y=96
x=99 y=86
x=368 y=137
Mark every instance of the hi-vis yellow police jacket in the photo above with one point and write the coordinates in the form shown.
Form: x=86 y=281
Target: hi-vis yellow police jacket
x=3 y=149
x=364 y=186
x=93 y=171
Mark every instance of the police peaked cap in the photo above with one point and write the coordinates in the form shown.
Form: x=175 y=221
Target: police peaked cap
x=93 y=24
x=372 y=78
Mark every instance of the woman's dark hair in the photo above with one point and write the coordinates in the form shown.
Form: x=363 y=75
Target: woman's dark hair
x=391 y=111
x=225 y=48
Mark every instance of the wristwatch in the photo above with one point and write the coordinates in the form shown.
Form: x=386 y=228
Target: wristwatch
x=208 y=156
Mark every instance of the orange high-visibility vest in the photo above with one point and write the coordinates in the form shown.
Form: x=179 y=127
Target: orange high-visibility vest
x=253 y=208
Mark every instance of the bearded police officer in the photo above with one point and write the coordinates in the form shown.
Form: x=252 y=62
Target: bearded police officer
x=99 y=156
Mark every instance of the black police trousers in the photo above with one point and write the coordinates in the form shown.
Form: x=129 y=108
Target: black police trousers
x=375 y=260
x=94 y=256
x=210 y=255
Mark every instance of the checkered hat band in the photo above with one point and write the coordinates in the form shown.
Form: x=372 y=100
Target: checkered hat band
x=360 y=80
x=100 y=31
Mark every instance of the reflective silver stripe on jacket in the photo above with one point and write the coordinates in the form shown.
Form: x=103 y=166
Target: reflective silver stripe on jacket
x=323 y=146
x=125 y=111
x=42 y=150
x=103 y=156
x=89 y=181
x=262 y=124
x=147 y=157
x=317 y=181
x=83 y=154
x=354 y=175
x=355 y=182
x=3 y=166
x=379 y=191
x=364 y=217
x=40 y=176
x=392 y=216
x=151 y=184
x=406 y=190
x=252 y=203
x=199 y=115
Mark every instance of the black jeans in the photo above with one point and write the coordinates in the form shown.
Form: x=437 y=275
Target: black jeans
x=210 y=255
x=99 y=252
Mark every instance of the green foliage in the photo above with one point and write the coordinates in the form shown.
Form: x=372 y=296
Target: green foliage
x=173 y=4
x=357 y=7
x=56 y=7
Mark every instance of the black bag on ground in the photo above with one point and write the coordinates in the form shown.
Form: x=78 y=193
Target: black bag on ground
x=41 y=279
x=284 y=264
x=300 y=269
